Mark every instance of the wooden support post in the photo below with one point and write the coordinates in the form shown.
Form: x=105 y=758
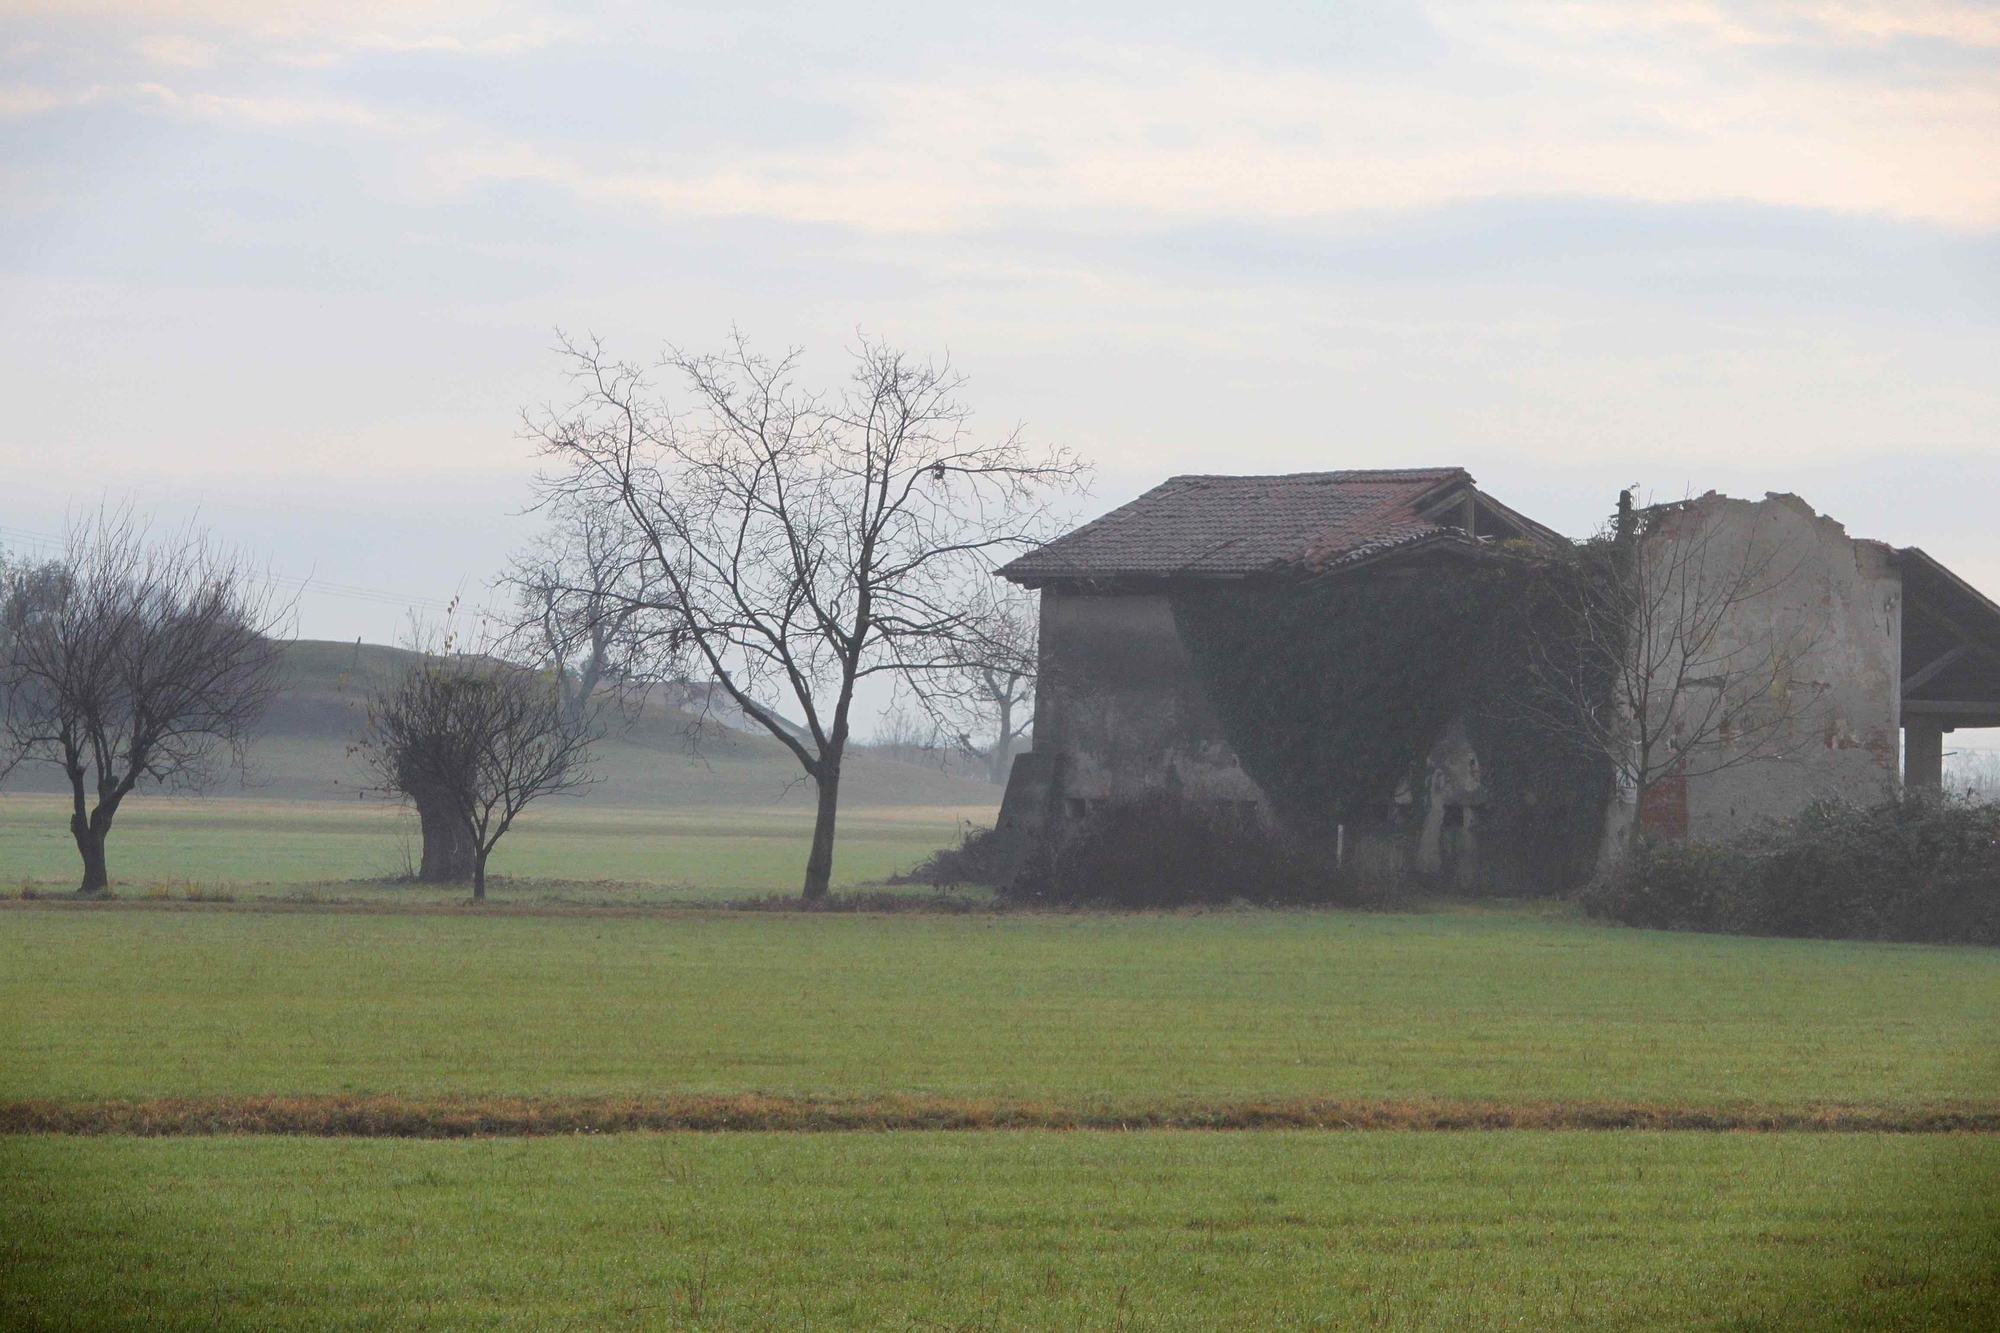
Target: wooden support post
x=1923 y=754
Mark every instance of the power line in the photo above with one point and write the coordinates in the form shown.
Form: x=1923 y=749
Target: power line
x=35 y=539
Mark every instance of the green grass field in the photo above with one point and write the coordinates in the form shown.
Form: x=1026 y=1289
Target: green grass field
x=271 y=848
x=1003 y=1231
x=1233 y=1004
x=966 y=1230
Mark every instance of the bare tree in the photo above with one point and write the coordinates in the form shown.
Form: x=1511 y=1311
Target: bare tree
x=1672 y=647
x=909 y=738
x=473 y=742
x=574 y=600
x=800 y=543
x=132 y=660
x=983 y=704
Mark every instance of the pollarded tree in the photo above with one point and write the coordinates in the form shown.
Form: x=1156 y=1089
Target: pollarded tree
x=415 y=742
x=800 y=543
x=473 y=742
x=130 y=660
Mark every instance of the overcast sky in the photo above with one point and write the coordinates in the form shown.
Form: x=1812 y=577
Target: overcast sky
x=300 y=265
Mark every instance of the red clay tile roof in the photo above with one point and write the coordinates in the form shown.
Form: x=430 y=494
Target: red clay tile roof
x=1201 y=526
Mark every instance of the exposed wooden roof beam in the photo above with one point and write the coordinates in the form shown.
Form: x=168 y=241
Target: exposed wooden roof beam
x=1956 y=630
x=1953 y=707
x=1917 y=679
x=1526 y=526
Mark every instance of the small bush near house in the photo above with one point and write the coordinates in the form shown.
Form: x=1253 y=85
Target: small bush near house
x=942 y=902
x=1922 y=868
x=978 y=859
x=1166 y=852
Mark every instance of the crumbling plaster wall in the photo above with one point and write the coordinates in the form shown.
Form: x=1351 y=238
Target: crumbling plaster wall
x=1118 y=699
x=1840 y=600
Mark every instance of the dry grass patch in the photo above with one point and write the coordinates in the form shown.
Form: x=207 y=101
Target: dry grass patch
x=467 y=1117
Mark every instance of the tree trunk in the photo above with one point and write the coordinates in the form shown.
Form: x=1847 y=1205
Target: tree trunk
x=90 y=830
x=90 y=842
x=479 y=876
x=449 y=851
x=1635 y=836
x=998 y=760
x=819 y=865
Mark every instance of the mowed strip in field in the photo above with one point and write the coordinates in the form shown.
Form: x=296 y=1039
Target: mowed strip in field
x=1023 y=1231
x=279 y=848
x=1082 y=1011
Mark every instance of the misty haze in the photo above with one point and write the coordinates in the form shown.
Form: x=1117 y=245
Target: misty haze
x=1058 y=667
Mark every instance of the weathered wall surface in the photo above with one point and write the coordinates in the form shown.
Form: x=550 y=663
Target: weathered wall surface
x=1119 y=701
x=1832 y=607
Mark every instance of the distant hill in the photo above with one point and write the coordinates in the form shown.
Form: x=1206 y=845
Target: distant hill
x=666 y=757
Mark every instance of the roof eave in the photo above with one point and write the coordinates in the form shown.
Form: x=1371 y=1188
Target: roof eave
x=1929 y=564
x=1132 y=580
x=1448 y=542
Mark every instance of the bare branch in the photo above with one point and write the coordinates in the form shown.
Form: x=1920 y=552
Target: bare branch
x=131 y=659
x=793 y=543
x=1674 y=646
x=979 y=694
x=474 y=741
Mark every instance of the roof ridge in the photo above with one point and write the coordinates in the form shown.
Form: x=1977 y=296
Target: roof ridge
x=1215 y=524
x=1335 y=474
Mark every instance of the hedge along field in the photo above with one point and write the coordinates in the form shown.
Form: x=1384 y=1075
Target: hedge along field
x=268 y=848
x=1005 y=1231
x=1077 y=1009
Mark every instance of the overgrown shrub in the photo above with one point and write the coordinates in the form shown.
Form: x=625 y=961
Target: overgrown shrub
x=978 y=859
x=1672 y=886
x=864 y=900
x=1333 y=693
x=1921 y=868
x=1166 y=852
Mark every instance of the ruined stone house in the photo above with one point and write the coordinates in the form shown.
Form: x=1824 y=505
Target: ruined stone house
x=1896 y=642
x=1876 y=652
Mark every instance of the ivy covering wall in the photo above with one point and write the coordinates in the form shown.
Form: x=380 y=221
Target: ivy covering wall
x=1333 y=693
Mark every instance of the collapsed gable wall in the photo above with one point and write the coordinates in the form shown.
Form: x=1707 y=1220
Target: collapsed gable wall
x=1840 y=600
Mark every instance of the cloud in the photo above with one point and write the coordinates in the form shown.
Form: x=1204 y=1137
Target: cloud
x=503 y=43
x=278 y=113
x=1720 y=243
x=186 y=52
x=1777 y=23
x=268 y=16
x=1148 y=135
x=301 y=33
x=981 y=120
x=24 y=100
